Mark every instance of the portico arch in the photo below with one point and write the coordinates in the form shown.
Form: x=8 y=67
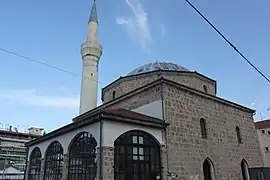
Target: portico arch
x=82 y=157
x=137 y=156
x=53 y=161
x=244 y=169
x=208 y=170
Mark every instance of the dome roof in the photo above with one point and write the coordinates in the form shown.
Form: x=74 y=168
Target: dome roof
x=157 y=66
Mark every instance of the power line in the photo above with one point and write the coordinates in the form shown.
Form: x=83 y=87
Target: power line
x=229 y=42
x=44 y=64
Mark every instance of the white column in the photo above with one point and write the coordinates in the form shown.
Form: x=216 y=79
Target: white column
x=91 y=52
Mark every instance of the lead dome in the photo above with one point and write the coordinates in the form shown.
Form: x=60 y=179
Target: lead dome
x=157 y=66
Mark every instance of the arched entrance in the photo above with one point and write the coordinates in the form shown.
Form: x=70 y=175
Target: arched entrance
x=208 y=170
x=35 y=164
x=82 y=157
x=245 y=171
x=53 y=161
x=136 y=157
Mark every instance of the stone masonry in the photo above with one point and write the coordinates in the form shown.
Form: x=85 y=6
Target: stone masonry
x=65 y=167
x=140 y=98
x=107 y=163
x=130 y=83
x=186 y=149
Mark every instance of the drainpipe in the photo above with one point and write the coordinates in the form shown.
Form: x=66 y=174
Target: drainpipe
x=100 y=150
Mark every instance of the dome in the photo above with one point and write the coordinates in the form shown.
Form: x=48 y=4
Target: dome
x=157 y=66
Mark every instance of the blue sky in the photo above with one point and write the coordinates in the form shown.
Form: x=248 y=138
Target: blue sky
x=132 y=32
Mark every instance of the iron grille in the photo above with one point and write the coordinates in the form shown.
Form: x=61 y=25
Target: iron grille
x=136 y=157
x=35 y=164
x=82 y=158
x=54 y=162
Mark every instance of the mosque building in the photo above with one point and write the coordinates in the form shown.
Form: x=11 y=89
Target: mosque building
x=161 y=121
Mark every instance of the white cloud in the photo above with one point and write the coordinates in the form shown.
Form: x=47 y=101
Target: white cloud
x=32 y=98
x=253 y=103
x=138 y=24
x=163 y=30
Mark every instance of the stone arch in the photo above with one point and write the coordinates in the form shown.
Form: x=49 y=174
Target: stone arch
x=203 y=128
x=208 y=169
x=82 y=157
x=245 y=169
x=34 y=164
x=137 y=153
x=53 y=161
x=205 y=89
x=113 y=95
x=238 y=134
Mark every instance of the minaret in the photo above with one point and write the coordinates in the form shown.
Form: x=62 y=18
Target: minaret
x=91 y=52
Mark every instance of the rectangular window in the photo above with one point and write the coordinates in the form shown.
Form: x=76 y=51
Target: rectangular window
x=268 y=132
x=135 y=157
x=135 y=150
x=266 y=149
x=141 y=151
x=140 y=140
x=134 y=140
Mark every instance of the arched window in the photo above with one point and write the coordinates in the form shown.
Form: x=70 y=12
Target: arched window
x=82 y=157
x=113 y=94
x=136 y=156
x=35 y=164
x=53 y=161
x=203 y=128
x=205 y=89
x=208 y=170
x=238 y=133
x=245 y=171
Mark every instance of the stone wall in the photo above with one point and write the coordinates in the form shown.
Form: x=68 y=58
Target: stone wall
x=187 y=150
x=194 y=81
x=139 y=99
x=107 y=163
x=127 y=84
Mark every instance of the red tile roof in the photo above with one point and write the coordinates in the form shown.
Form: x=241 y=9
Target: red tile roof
x=109 y=114
x=262 y=124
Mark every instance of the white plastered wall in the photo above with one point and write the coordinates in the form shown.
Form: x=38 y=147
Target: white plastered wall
x=264 y=140
x=153 y=109
x=66 y=138
x=112 y=130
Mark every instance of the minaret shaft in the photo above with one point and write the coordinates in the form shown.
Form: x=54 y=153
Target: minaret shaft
x=91 y=52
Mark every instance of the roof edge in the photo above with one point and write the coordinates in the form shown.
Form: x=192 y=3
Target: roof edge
x=152 y=72
x=172 y=83
x=96 y=117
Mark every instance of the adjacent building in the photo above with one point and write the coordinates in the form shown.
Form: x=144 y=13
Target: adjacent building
x=160 y=121
x=263 y=133
x=9 y=171
x=12 y=146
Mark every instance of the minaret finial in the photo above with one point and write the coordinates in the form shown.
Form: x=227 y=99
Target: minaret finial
x=93 y=15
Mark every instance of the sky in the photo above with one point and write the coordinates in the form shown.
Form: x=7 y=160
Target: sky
x=132 y=33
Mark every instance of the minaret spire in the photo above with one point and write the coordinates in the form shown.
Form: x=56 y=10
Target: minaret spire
x=91 y=52
x=93 y=15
